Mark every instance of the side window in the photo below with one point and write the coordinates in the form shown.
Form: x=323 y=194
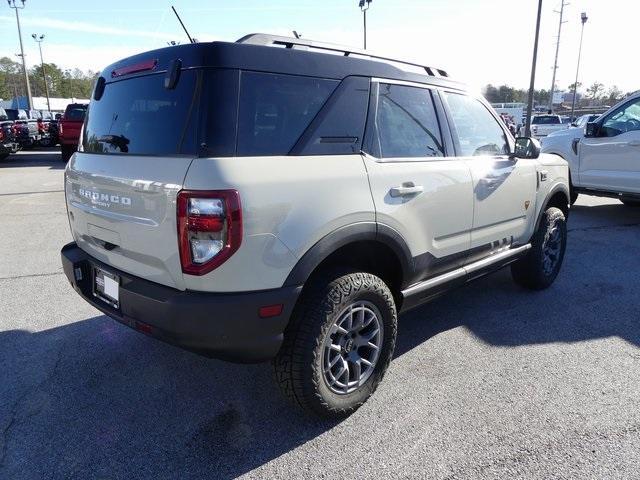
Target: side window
x=479 y=133
x=626 y=119
x=276 y=109
x=406 y=123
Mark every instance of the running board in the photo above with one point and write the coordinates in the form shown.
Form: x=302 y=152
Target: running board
x=504 y=257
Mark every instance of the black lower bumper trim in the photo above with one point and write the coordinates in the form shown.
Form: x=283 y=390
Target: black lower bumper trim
x=220 y=325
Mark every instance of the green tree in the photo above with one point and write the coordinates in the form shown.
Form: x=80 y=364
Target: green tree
x=614 y=95
x=594 y=92
x=11 y=79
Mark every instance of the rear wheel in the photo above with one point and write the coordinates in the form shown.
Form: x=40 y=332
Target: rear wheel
x=338 y=344
x=540 y=267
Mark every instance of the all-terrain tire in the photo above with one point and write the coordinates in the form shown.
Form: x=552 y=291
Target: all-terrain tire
x=299 y=364
x=540 y=267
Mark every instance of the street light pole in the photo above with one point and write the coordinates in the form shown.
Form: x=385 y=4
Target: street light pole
x=583 y=18
x=527 y=128
x=364 y=6
x=40 y=39
x=12 y=4
x=555 y=62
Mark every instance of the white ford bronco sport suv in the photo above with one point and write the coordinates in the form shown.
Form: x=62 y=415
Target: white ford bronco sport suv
x=248 y=203
x=604 y=157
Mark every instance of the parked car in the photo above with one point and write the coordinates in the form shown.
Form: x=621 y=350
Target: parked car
x=69 y=128
x=543 y=125
x=28 y=132
x=8 y=143
x=227 y=198
x=604 y=157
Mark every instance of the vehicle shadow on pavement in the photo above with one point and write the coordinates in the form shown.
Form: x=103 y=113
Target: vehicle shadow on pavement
x=35 y=158
x=98 y=400
x=596 y=294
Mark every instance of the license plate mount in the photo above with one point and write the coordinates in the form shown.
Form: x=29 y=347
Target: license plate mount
x=106 y=286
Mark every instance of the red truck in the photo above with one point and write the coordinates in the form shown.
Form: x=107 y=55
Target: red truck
x=69 y=129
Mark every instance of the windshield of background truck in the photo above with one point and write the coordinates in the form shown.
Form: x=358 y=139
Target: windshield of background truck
x=546 y=120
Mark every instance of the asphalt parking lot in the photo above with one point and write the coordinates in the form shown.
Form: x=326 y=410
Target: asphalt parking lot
x=491 y=381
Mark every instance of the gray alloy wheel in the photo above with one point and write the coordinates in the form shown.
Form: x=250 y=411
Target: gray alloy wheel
x=352 y=347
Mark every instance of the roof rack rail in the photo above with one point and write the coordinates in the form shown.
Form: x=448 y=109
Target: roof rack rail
x=266 y=39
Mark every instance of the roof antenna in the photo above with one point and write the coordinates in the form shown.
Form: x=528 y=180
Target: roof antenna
x=296 y=34
x=183 y=27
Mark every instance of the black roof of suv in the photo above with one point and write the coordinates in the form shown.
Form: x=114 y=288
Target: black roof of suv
x=259 y=52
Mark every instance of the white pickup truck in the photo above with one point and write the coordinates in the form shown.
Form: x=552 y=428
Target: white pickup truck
x=604 y=157
x=543 y=125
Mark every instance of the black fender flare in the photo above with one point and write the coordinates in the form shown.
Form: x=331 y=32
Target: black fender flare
x=355 y=232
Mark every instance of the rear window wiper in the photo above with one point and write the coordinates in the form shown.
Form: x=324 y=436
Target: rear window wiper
x=119 y=141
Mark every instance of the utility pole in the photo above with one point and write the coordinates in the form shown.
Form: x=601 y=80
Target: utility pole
x=555 y=62
x=527 y=128
x=12 y=4
x=583 y=18
x=364 y=6
x=40 y=39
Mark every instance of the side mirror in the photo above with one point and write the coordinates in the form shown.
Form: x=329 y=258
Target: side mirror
x=592 y=130
x=527 y=148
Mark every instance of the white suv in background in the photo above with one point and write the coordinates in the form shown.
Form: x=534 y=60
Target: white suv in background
x=250 y=203
x=604 y=158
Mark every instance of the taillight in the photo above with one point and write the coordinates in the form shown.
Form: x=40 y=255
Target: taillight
x=209 y=228
x=59 y=128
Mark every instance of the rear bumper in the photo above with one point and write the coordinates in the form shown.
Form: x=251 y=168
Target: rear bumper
x=219 y=325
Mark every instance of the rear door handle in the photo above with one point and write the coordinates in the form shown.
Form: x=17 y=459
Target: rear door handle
x=406 y=189
x=634 y=143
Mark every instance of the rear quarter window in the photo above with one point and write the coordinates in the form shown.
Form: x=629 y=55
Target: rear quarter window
x=276 y=109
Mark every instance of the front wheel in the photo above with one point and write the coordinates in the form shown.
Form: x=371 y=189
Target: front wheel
x=540 y=267
x=338 y=344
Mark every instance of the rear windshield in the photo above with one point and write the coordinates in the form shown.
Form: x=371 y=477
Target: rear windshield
x=75 y=112
x=139 y=116
x=546 y=120
x=210 y=112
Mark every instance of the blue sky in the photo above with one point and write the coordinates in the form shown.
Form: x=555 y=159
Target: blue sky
x=478 y=41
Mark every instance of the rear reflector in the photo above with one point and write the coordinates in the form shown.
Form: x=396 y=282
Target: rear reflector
x=270 y=310
x=135 y=68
